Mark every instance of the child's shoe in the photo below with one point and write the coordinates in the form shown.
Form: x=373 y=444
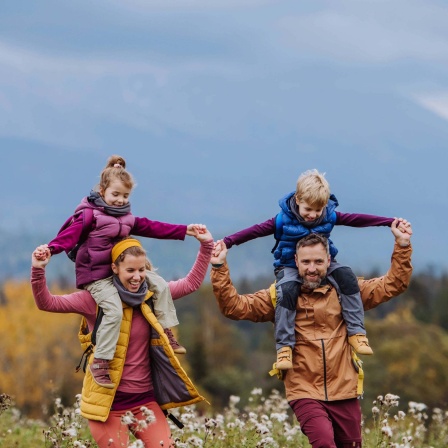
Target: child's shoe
x=284 y=358
x=177 y=348
x=100 y=373
x=360 y=343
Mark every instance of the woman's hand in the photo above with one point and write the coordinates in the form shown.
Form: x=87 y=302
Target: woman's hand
x=204 y=235
x=41 y=256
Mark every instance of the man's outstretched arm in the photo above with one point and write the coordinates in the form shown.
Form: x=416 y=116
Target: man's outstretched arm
x=256 y=307
x=396 y=281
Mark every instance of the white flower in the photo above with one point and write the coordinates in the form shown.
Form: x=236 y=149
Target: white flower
x=256 y=391
x=281 y=417
x=417 y=406
x=233 y=399
x=128 y=418
x=387 y=431
x=70 y=432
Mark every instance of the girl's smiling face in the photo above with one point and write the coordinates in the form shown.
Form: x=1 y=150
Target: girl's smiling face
x=116 y=194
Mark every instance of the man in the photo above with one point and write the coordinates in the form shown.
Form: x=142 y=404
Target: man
x=321 y=388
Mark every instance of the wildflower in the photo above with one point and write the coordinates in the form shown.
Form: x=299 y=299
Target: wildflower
x=233 y=400
x=71 y=432
x=128 y=418
x=266 y=441
x=195 y=441
x=281 y=417
x=375 y=410
x=149 y=414
x=262 y=429
x=387 y=431
x=391 y=400
x=137 y=444
x=210 y=423
x=419 y=407
x=256 y=391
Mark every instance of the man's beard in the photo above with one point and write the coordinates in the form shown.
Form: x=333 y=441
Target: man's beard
x=311 y=285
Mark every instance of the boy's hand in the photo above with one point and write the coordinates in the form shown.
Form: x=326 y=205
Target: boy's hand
x=218 y=247
x=404 y=225
x=401 y=233
x=219 y=253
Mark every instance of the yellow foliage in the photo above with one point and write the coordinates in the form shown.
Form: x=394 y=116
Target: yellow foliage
x=39 y=352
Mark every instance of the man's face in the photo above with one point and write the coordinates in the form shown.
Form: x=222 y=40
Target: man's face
x=312 y=263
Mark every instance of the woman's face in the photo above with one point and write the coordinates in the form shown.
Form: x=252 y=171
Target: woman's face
x=131 y=271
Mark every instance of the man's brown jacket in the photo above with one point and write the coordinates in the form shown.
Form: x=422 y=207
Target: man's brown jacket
x=323 y=367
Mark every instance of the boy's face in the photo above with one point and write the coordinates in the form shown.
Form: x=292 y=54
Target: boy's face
x=308 y=212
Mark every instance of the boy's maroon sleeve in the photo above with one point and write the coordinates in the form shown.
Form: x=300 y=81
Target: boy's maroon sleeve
x=68 y=238
x=265 y=228
x=361 y=220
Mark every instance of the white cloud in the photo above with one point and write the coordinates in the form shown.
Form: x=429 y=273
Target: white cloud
x=26 y=61
x=61 y=100
x=436 y=103
x=370 y=31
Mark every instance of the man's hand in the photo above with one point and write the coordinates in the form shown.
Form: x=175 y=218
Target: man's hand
x=402 y=231
x=219 y=253
x=41 y=256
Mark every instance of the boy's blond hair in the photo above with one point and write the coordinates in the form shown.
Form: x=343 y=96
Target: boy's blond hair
x=313 y=188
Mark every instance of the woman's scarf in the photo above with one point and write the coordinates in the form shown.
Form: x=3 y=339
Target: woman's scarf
x=128 y=297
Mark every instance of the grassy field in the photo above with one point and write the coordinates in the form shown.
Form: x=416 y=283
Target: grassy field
x=266 y=422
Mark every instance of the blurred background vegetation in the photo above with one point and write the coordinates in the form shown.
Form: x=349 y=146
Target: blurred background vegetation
x=409 y=337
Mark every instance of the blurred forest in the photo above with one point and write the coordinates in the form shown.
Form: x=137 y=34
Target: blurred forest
x=408 y=335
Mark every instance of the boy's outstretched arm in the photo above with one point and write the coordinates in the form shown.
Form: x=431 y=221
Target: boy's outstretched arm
x=265 y=228
x=363 y=220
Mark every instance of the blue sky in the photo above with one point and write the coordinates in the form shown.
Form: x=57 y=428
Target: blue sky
x=218 y=106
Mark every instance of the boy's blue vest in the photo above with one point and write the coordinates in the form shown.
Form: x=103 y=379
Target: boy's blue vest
x=288 y=230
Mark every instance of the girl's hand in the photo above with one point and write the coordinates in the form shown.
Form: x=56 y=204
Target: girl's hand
x=196 y=229
x=41 y=256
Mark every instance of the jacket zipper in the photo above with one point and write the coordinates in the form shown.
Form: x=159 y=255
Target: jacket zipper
x=325 y=369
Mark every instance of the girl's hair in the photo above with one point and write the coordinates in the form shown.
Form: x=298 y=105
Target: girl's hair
x=313 y=188
x=135 y=251
x=115 y=169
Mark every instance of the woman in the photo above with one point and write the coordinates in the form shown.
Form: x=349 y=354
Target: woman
x=143 y=350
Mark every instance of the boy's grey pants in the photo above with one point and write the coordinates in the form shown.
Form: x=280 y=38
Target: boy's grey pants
x=287 y=289
x=106 y=296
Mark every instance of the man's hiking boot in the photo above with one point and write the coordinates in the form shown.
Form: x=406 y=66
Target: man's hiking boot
x=177 y=348
x=284 y=358
x=360 y=343
x=100 y=373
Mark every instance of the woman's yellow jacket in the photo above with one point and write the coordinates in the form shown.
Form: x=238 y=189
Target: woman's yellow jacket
x=172 y=387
